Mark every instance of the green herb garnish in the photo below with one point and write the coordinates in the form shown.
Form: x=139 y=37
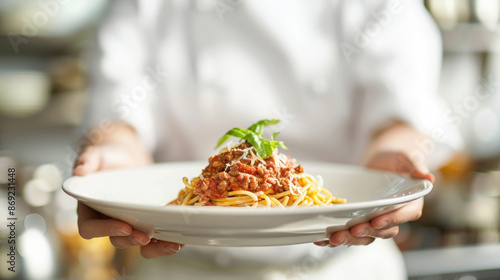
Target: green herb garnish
x=254 y=136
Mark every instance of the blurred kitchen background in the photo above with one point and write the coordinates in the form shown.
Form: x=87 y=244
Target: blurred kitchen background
x=43 y=47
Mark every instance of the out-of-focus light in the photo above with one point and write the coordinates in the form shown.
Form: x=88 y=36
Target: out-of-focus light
x=66 y=218
x=50 y=174
x=67 y=222
x=486 y=125
x=64 y=201
x=445 y=11
x=38 y=258
x=487 y=12
x=487 y=184
x=482 y=212
x=23 y=93
x=35 y=221
x=35 y=193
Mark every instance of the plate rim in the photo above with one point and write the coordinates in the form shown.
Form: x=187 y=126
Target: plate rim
x=427 y=186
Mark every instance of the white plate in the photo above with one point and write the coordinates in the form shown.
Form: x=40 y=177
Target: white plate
x=138 y=196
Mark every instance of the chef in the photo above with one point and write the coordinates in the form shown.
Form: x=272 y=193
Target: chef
x=352 y=81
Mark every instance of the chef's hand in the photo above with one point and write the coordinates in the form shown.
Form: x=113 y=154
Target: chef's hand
x=387 y=225
x=92 y=224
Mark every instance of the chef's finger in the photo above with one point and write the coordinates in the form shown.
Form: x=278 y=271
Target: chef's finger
x=365 y=230
x=160 y=249
x=86 y=213
x=87 y=162
x=416 y=169
x=93 y=228
x=322 y=243
x=137 y=238
x=344 y=237
x=90 y=224
x=401 y=163
x=409 y=212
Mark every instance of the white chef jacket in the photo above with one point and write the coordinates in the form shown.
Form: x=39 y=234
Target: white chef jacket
x=184 y=72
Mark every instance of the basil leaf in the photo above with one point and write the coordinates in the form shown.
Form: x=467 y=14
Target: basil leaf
x=255 y=140
x=222 y=140
x=281 y=144
x=258 y=127
x=253 y=135
x=236 y=132
x=268 y=148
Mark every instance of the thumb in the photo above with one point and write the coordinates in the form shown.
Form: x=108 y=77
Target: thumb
x=400 y=162
x=416 y=169
x=420 y=173
x=88 y=162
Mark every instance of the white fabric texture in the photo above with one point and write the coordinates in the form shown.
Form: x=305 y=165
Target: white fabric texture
x=379 y=261
x=184 y=72
x=182 y=75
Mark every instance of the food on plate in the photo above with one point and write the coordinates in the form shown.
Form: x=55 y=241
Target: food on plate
x=253 y=173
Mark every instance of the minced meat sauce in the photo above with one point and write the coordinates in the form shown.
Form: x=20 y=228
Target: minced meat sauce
x=229 y=171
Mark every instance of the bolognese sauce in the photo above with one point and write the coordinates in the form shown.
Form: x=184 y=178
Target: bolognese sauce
x=253 y=174
x=239 y=169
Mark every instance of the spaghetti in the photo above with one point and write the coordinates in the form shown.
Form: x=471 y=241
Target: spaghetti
x=238 y=176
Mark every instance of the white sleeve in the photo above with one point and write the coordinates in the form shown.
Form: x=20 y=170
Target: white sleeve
x=394 y=52
x=122 y=85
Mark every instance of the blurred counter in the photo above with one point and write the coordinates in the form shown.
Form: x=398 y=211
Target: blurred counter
x=462 y=263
